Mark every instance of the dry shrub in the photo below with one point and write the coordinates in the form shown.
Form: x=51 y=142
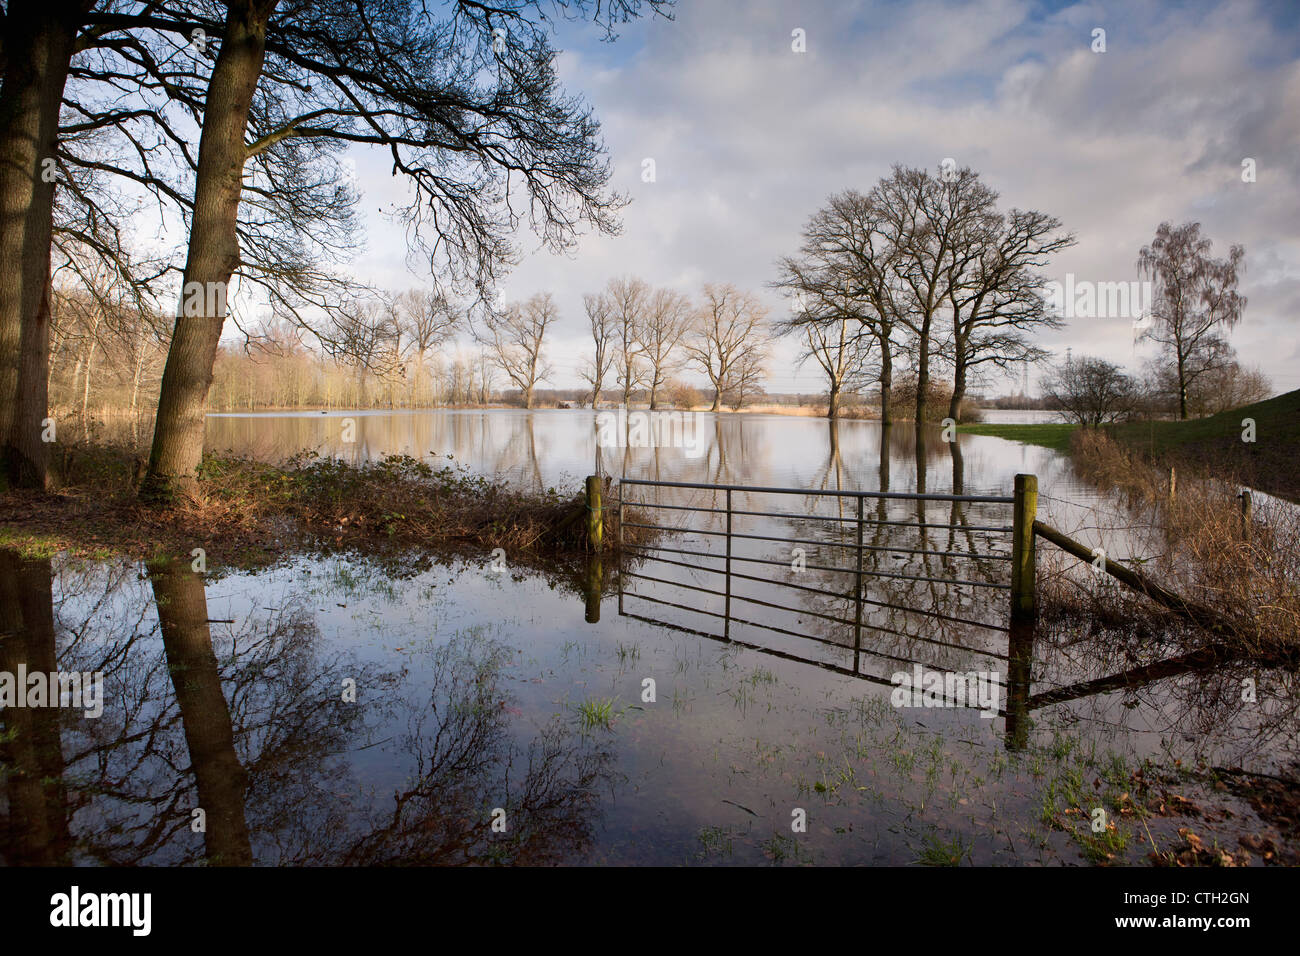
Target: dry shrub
x=902 y=401
x=1246 y=572
x=397 y=498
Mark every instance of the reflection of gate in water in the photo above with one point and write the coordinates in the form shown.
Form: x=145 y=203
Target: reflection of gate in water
x=845 y=573
x=861 y=583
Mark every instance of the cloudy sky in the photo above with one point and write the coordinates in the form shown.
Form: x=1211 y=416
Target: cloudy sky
x=749 y=137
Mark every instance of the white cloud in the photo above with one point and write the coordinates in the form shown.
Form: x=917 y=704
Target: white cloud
x=749 y=138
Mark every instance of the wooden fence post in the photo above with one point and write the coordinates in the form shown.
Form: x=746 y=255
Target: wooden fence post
x=595 y=525
x=1246 y=509
x=1024 y=600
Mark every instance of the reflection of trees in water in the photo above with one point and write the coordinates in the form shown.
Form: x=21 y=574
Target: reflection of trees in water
x=196 y=680
x=518 y=456
x=467 y=765
x=1181 y=692
x=904 y=542
x=251 y=727
x=36 y=819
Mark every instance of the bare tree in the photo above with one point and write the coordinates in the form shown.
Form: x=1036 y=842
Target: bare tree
x=727 y=339
x=937 y=226
x=1196 y=299
x=1090 y=391
x=745 y=379
x=516 y=337
x=845 y=271
x=666 y=320
x=627 y=299
x=839 y=349
x=464 y=102
x=604 y=329
x=998 y=302
x=426 y=320
x=486 y=376
x=366 y=338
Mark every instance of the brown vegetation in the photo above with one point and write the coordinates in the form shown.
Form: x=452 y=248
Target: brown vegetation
x=1197 y=542
x=253 y=512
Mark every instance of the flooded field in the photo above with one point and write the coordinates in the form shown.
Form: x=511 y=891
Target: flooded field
x=352 y=709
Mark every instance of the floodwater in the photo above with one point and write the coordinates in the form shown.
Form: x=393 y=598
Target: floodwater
x=348 y=710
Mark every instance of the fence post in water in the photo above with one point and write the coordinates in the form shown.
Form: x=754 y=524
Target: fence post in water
x=595 y=529
x=1024 y=602
x=593 y=587
x=1246 y=507
x=857 y=613
x=619 y=557
x=726 y=620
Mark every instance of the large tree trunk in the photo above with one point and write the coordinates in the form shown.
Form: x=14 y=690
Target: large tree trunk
x=958 y=390
x=39 y=40
x=213 y=254
x=886 y=383
x=833 y=406
x=922 y=374
x=27 y=450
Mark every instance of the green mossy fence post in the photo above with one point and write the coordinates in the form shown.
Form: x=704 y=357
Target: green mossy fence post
x=1024 y=601
x=595 y=525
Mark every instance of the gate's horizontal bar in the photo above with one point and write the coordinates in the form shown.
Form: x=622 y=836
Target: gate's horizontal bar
x=828 y=617
x=761 y=490
x=822 y=567
x=867 y=520
x=852 y=546
x=823 y=593
x=865 y=651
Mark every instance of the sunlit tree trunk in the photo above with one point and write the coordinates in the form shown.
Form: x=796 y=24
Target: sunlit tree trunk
x=213 y=253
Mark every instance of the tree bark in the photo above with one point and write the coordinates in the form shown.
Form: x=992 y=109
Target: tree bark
x=922 y=372
x=1182 y=389
x=39 y=39
x=958 y=389
x=886 y=384
x=213 y=254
